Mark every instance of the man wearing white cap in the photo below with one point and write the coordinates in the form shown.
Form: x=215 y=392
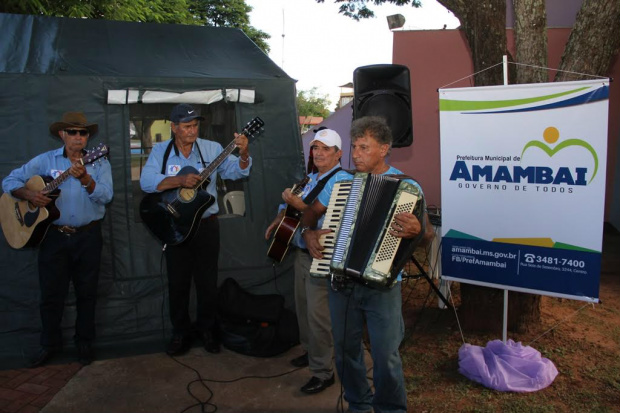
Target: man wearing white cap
x=311 y=293
x=356 y=308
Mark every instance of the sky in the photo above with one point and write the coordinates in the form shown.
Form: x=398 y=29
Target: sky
x=321 y=48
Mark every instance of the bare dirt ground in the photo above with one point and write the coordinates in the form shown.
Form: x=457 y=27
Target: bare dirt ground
x=581 y=339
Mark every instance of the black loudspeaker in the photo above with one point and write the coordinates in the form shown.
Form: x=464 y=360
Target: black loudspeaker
x=385 y=90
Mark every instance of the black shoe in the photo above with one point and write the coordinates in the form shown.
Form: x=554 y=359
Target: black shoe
x=211 y=342
x=316 y=385
x=301 y=361
x=179 y=344
x=85 y=353
x=43 y=355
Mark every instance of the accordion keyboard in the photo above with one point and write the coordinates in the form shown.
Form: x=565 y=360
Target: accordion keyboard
x=347 y=219
x=333 y=216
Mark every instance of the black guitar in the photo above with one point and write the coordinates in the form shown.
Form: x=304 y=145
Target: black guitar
x=174 y=215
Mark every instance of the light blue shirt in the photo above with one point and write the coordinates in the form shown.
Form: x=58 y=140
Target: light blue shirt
x=298 y=240
x=228 y=169
x=77 y=207
x=326 y=193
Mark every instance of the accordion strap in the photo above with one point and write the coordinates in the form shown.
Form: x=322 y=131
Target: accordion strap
x=400 y=176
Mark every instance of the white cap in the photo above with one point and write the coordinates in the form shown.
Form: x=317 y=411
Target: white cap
x=329 y=137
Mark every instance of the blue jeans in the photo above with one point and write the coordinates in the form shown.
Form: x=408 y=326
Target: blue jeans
x=382 y=312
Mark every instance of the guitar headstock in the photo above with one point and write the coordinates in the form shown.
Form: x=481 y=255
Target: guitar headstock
x=299 y=187
x=253 y=127
x=304 y=181
x=97 y=152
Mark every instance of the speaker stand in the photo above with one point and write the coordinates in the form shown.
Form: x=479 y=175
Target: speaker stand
x=424 y=274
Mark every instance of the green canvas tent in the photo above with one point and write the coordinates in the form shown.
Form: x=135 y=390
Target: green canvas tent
x=126 y=77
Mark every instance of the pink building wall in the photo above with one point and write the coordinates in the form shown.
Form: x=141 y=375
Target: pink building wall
x=438 y=58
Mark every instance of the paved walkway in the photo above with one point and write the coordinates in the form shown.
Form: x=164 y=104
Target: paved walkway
x=29 y=390
x=158 y=383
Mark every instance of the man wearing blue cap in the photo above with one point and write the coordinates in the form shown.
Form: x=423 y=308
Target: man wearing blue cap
x=197 y=258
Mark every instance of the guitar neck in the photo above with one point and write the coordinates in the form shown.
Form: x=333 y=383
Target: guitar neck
x=56 y=182
x=297 y=189
x=247 y=131
x=100 y=151
x=206 y=173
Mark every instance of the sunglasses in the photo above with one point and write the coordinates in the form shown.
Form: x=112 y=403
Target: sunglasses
x=73 y=132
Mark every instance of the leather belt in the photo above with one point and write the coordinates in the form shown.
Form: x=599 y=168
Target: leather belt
x=66 y=229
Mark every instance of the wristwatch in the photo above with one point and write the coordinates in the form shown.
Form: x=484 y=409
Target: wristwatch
x=304 y=229
x=88 y=184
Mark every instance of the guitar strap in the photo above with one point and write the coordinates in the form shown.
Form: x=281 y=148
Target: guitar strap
x=319 y=187
x=176 y=151
x=401 y=176
x=166 y=155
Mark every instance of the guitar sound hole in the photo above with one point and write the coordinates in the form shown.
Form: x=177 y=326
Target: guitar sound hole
x=187 y=194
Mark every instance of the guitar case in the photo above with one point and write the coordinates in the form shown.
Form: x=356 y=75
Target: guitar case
x=255 y=325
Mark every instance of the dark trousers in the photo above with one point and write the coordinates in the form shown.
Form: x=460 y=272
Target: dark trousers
x=69 y=258
x=197 y=260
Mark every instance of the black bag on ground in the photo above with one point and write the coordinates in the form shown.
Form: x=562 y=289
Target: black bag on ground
x=255 y=325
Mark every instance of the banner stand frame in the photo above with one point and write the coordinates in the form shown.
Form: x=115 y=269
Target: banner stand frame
x=505 y=317
x=424 y=274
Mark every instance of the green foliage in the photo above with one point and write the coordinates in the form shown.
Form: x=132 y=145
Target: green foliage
x=156 y=11
x=229 y=13
x=356 y=9
x=310 y=103
x=214 y=13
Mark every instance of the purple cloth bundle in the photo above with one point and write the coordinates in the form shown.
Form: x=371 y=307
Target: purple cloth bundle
x=506 y=367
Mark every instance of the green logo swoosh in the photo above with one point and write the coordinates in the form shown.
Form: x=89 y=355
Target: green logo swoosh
x=562 y=145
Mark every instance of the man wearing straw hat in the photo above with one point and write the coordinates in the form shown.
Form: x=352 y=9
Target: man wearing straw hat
x=71 y=248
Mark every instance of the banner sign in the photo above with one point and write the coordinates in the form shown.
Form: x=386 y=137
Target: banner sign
x=523 y=186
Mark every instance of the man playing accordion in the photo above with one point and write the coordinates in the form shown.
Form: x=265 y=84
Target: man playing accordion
x=371 y=140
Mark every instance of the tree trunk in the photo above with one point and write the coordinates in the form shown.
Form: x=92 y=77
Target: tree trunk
x=484 y=25
x=523 y=311
x=531 y=41
x=593 y=42
x=143 y=130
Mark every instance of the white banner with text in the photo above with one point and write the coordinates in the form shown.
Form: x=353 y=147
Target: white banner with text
x=523 y=186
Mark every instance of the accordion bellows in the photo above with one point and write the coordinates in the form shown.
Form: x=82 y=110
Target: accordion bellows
x=360 y=214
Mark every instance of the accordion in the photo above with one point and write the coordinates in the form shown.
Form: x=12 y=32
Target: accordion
x=360 y=214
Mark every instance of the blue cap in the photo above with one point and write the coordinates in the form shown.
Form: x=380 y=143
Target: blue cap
x=183 y=112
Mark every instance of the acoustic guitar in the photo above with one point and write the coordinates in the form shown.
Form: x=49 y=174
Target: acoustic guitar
x=283 y=235
x=25 y=225
x=174 y=215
